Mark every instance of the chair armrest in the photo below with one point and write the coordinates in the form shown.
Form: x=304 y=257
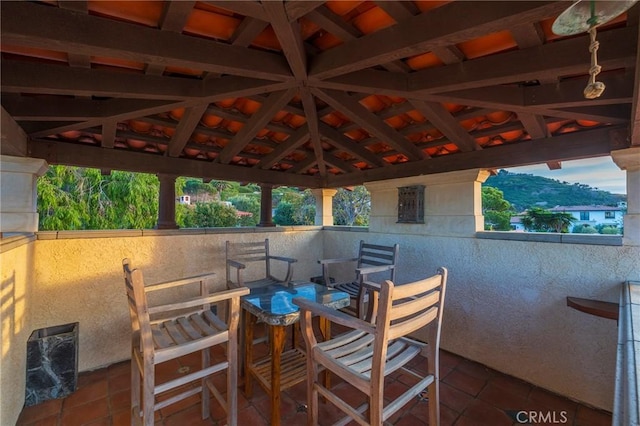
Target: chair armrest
x=284 y=259
x=176 y=283
x=236 y=264
x=199 y=301
x=373 y=269
x=333 y=315
x=327 y=261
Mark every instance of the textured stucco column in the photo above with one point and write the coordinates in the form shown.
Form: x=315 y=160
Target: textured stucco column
x=453 y=204
x=266 y=206
x=629 y=160
x=18 y=193
x=167 y=202
x=324 y=206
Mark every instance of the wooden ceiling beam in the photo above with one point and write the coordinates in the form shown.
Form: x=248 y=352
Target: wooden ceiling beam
x=311 y=113
x=289 y=36
x=45 y=27
x=298 y=8
x=528 y=35
x=246 y=8
x=369 y=121
x=224 y=88
x=247 y=31
x=58 y=108
x=570 y=146
x=240 y=117
x=566 y=57
x=272 y=105
x=446 y=25
x=350 y=146
x=81 y=6
x=56 y=152
x=341 y=165
x=109 y=129
x=302 y=166
x=635 y=110
x=285 y=148
x=185 y=128
x=449 y=126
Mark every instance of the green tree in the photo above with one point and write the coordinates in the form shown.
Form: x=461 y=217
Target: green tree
x=284 y=214
x=352 y=207
x=249 y=204
x=209 y=215
x=542 y=220
x=496 y=210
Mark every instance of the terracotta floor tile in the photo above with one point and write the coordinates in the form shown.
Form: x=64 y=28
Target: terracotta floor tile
x=552 y=401
x=119 y=382
x=180 y=405
x=502 y=399
x=47 y=421
x=191 y=416
x=85 y=413
x=453 y=398
x=123 y=367
x=40 y=411
x=475 y=369
x=410 y=420
x=465 y=382
x=481 y=413
x=251 y=416
x=88 y=377
x=587 y=416
x=87 y=393
x=447 y=416
x=512 y=385
x=449 y=360
x=122 y=418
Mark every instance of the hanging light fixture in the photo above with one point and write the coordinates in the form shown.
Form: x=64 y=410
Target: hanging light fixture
x=586 y=16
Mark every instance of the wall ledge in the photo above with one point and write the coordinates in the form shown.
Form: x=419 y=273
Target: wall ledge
x=11 y=241
x=552 y=237
x=626 y=404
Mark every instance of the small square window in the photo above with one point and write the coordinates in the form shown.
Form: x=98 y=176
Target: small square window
x=610 y=215
x=411 y=204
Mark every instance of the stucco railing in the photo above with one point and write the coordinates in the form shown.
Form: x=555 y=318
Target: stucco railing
x=626 y=409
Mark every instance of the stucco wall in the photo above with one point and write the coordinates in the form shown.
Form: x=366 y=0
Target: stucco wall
x=16 y=263
x=506 y=304
x=79 y=278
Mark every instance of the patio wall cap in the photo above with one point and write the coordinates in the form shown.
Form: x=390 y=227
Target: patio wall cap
x=12 y=241
x=552 y=237
x=463 y=176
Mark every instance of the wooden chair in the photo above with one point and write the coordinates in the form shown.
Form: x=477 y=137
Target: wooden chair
x=371 y=259
x=370 y=352
x=257 y=253
x=166 y=332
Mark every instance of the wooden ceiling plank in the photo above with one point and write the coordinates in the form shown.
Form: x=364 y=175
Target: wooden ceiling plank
x=443 y=26
x=245 y=8
x=238 y=116
x=285 y=148
x=346 y=144
x=302 y=166
x=24 y=108
x=185 y=128
x=535 y=125
x=56 y=152
x=341 y=165
x=109 y=134
x=528 y=35
x=566 y=57
x=35 y=25
x=398 y=10
x=176 y=14
x=289 y=36
x=437 y=114
x=227 y=87
x=293 y=109
x=298 y=8
x=569 y=146
x=333 y=23
x=273 y=104
x=369 y=121
x=449 y=54
x=247 y=31
x=311 y=113
x=81 y=6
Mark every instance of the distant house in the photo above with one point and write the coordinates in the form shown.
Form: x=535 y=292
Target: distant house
x=594 y=215
x=184 y=199
x=516 y=223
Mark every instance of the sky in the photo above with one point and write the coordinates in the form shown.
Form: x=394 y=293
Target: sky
x=600 y=172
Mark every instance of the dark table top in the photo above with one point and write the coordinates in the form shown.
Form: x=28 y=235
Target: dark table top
x=273 y=304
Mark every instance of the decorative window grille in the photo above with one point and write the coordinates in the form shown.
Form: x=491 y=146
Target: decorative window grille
x=411 y=204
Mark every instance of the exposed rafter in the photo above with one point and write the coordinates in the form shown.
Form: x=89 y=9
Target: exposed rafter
x=449 y=126
x=312 y=123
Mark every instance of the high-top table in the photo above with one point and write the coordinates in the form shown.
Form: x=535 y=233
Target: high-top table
x=273 y=305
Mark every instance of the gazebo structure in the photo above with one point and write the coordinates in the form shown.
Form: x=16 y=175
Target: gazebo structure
x=430 y=95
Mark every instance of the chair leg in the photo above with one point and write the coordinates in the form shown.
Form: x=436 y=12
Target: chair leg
x=434 y=403
x=148 y=397
x=312 y=393
x=206 y=362
x=135 y=390
x=232 y=382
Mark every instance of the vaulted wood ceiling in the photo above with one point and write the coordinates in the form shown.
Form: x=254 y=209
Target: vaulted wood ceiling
x=312 y=93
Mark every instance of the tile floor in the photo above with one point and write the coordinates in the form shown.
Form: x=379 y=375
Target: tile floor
x=471 y=394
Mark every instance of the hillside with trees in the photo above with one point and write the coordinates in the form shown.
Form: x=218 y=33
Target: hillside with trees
x=525 y=191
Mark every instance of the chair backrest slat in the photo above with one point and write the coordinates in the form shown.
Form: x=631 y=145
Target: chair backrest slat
x=379 y=255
